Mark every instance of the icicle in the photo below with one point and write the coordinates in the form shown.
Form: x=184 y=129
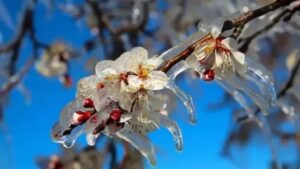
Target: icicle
x=91 y=138
x=238 y=97
x=258 y=73
x=69 y=143
x=68 y=111
x=66 y=136
x=186 y=99
x=257 y=98
x=141 y=143
x=182 y=46
x=177 y=69
x=173 y=128
x=286 y=107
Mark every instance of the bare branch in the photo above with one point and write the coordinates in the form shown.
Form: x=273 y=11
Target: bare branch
x=247 y=17
x=15 y=79
x=287 y=13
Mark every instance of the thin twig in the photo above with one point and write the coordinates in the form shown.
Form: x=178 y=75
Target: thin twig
x=287 y=13
x=15 y=79
x=247 y=17
x=229 y=24
x=14 y=47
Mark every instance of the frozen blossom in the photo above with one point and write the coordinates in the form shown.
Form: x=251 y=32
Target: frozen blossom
x=124 y=97
x=217 y=57
x=54 y=62
x=121 y=100
x=134 y=70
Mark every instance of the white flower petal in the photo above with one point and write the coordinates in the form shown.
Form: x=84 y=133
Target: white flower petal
x=239 y=61
x=157 y=80
x=109 y=73
x=102 y=65
x=218 y=59
x=193 y=63
x=100 y=99
x=125 y=100
x=153 y=62
x=239 y=57
x=216 y=30
x=86 y=86
x=120 y=62
x=125 y=118
x=201 y=52
x=136 y=57
x=134 y=84
x=230 y=43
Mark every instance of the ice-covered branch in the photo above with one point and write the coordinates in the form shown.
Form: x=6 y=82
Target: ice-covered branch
x=104 y=22
x=239 y=22
x=14 y=46
x=286 y=14
x=228 y=24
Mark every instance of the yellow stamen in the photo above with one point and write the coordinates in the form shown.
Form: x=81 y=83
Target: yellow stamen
x=143 y=72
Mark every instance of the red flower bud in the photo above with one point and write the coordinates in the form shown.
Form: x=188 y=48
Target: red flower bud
x=88 y=103
x=116 y=115
x=208 y=75
x=81 y=117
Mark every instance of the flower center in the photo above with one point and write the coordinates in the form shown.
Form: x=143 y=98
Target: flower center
x=143 y=72
x=100 y=85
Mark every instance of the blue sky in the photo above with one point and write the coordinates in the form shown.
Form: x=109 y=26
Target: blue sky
x=29 y=124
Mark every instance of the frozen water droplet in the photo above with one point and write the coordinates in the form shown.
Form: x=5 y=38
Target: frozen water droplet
x=174 y=129
x=69 y=143
x=262 y=77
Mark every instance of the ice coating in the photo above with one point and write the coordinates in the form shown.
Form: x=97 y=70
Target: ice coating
x=174 y=129
x=126 y=93
x=186 y=99
x=263 y=77
x=257 y=98
x=141 y=143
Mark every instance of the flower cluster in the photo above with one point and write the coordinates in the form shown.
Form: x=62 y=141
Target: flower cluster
x=217 y=57
x=121 y=100
x=124 y=98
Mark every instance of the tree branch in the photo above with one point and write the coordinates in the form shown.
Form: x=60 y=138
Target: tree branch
x=236 y=23
x=15 y=79
x=14 y=47
x=285 y=15
x=247 y=17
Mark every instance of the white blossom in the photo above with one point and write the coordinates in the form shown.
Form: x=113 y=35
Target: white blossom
x=217 y=56
x=134 y=70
